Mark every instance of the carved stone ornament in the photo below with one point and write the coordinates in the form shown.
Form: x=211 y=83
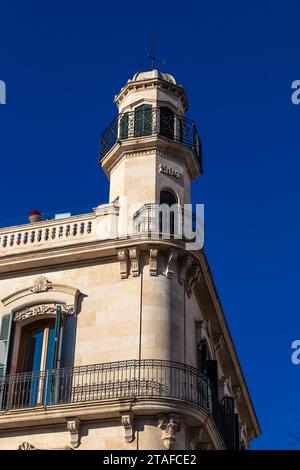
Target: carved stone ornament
x=193 y=275
x=43 y=309
x=170 y=425
x=26 y=446
x=153 y=261
x=41 y=285
x=135 y=261
x=73 y=426
x=219 y=343
x=195 y=436
x=186 y=266
x=171 y=264
x=123 y=258
x=128 y=423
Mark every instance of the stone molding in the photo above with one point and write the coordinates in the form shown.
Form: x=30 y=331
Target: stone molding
x=43 y=309
x=40 y=298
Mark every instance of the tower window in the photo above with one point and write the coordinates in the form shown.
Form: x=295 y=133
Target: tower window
x=166 y=122
x=143 y=120
x=124 y=126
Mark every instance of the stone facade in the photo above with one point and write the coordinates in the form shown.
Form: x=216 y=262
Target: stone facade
x=138 y=305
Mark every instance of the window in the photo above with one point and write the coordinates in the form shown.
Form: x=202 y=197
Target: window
x=166 y=122
x=167 y=216
x=143 y=120
x=29 y=354
x=202 y=356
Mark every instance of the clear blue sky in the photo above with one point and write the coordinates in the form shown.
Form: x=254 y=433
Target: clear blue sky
x=63 y=62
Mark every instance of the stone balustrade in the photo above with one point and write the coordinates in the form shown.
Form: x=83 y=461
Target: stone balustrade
x=101 y=224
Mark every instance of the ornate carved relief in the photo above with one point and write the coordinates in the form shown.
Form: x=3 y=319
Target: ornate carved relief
x=128 y=423
x=73 y=426
x=134 y=256
x=153 y=261
x=170 y=425
x=123 y=258
x=26 y=446
x=41 y=285
x=42 y=310
x=171 y=264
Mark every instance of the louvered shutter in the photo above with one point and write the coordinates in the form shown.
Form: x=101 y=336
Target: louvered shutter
x=5 y=333
x=212 y=373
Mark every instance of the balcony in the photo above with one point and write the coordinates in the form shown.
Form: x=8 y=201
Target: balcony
x=147 y=379
x=162 y=221
x=152 y=122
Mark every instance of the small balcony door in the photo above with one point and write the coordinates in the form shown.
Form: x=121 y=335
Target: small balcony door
x=38 y=360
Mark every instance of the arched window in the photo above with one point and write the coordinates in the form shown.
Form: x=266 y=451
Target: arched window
x=167 y=216
x=167 y=197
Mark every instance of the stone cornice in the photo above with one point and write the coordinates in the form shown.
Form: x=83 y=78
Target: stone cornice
x=235 y=368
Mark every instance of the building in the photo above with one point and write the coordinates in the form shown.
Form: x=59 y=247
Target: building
x=113 y=335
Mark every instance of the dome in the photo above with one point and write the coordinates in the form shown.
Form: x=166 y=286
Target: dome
x=149 y=75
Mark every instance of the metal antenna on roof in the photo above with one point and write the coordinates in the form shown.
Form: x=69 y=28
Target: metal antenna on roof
x=151 y=55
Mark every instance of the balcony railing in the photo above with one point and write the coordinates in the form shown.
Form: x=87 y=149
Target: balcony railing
x=132 y=379
x=153 y=121
x=165 y=222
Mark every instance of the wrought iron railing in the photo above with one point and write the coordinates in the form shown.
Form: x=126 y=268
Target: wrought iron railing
x=132 y=379
x=149 y=122
x=165 y=221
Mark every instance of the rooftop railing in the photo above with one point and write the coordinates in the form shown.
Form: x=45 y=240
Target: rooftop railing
x=131 y=379
x=149 y=122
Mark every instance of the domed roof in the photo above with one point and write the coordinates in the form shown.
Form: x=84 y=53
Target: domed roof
x=139 y=76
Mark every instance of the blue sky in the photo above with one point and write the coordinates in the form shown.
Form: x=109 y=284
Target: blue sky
x=63 y=62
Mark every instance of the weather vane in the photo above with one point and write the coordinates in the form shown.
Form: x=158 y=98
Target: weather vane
x=151 y=55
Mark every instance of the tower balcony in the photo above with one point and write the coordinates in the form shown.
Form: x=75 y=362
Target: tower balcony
x=149 y=122
x=162 y=221
x=137 y=381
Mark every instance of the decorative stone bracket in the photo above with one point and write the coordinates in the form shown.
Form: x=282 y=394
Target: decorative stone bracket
x=170 y=425
x=153 y=261
x=124 y=256
x=195 y=436
x=73 y=426
x=134 y=256
x=171 y=264
x=127 y=421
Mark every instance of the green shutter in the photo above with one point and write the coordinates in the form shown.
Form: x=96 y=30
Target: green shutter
x=5 y=334
x=143 y=120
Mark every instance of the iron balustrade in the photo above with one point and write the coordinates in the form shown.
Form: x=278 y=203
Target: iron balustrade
x=132 y=379
x=151 y=121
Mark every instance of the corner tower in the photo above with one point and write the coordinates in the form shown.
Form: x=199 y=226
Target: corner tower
x=151 y=152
